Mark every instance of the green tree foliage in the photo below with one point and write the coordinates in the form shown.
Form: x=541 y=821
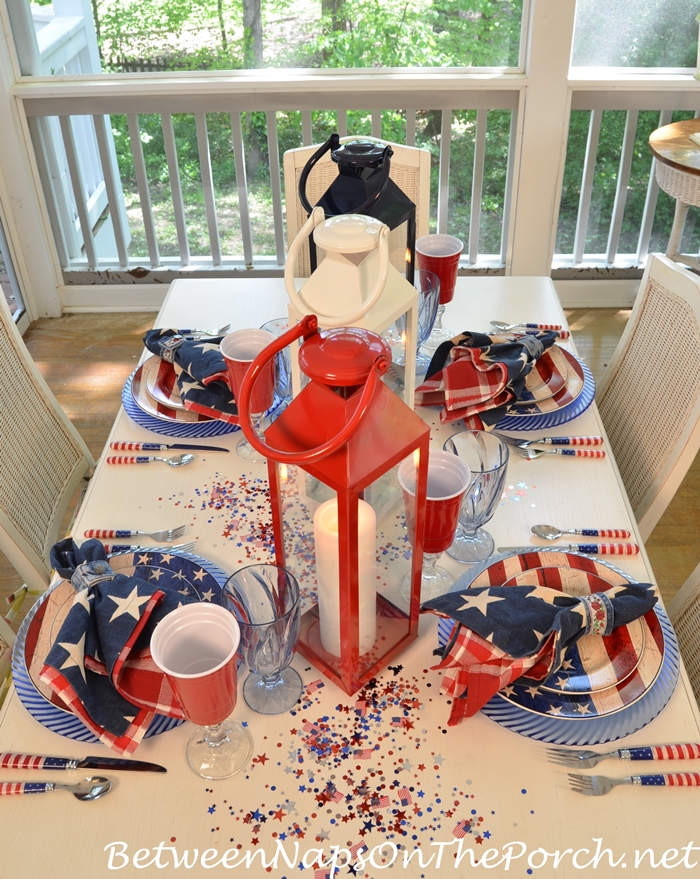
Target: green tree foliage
x=215 y=34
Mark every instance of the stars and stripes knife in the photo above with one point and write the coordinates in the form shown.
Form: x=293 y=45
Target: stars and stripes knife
x=161 y=447
x=32 y=761
x=587 y=548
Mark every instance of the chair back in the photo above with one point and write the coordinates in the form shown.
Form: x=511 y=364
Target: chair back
x=649 y=398
x=410 y=170
x=43 y=459
x=684 y=611
x=7 y=640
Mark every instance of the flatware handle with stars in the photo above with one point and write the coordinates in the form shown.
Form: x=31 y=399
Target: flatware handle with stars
x=670 y=779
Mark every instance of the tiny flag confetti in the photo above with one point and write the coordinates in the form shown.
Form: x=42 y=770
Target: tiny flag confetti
x=405 y=796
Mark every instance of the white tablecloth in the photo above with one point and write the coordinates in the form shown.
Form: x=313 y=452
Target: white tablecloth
x=518 y=815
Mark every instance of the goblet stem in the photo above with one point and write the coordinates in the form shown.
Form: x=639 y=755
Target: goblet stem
x=437 y=326
x=471 y=545
x=272 y=693
x=430 y=565
x=244 y=448
x=219 y=750
x=439 y=333
x=214 y=735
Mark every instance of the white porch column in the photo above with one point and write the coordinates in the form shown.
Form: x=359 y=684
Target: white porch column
x=542 y=150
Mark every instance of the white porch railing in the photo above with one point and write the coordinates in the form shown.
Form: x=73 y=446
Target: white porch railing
x=72 y=102
x=60 y=40
x=538 y=100
x=200 y=101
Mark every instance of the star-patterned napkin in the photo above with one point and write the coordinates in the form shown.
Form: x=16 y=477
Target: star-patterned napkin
x=475 y=377
x=100 y=663
x=200 y=371
x=503 y=633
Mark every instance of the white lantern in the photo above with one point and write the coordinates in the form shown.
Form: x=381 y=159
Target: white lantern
x=354 y=286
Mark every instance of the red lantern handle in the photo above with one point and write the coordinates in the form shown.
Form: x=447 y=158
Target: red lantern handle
x=306 y=328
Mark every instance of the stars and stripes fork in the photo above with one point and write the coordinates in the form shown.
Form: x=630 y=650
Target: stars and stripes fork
x=599 y=785
x=167 y=534
x=585 y=759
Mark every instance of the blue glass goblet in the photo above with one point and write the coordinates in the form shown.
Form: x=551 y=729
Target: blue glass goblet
x=265 y=601
x=486 y=455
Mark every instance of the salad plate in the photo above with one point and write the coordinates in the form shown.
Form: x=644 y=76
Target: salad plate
x=605 y=691
x=172 y=569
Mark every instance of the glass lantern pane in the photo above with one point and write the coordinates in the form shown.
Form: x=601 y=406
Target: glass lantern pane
x=309 y=514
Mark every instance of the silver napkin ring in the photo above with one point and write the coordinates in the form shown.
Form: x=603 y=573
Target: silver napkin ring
x=90 y=573
x=169 y=346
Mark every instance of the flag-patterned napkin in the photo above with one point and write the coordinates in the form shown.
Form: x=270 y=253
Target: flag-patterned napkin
x=475 y=377
x=503 y=633
x=100 y=663
x=200 y=371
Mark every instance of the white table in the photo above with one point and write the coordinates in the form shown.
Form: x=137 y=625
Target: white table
x=477 y=770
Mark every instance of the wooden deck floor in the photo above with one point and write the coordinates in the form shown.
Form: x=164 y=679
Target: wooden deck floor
x=86 y=358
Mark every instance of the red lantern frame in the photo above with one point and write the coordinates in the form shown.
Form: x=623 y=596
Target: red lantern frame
x=359 y=439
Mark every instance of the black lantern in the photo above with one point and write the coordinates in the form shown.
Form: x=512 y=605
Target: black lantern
x=363 y=186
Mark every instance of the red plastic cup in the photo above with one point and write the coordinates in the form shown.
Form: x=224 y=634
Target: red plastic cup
x=195 y=647
x=440 y=254
x=239 y=350
x=447 y=485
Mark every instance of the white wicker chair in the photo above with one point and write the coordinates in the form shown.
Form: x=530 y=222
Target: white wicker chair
x=410 y=170
x=684 y=611
x=649 y=398
x=7 y=639
x=43 y=461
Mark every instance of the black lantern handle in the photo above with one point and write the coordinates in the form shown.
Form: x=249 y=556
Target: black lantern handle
x=333 y=143
x=306 y=328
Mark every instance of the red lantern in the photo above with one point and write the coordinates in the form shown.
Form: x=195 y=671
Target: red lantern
x=347 y=432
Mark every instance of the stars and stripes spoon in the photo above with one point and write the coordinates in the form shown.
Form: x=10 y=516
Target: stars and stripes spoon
x=176 y=461
x=549 y=532
x=505 y=328
x=529 y=454
x=87 y=789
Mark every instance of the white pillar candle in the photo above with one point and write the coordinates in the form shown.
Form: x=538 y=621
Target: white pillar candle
x=328 y=574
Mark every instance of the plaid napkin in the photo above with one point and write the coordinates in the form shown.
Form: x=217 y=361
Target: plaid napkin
x=503 y=633
x=200 y=371
x=100 y=664
x=476 y=377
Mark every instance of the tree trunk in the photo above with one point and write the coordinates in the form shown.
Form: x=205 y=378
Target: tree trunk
x=252 y=33
x=334 y=9
x=222 y=26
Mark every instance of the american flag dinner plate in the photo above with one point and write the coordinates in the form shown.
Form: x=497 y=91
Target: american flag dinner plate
x=153 y=407
x=546 y=378
x=160 y=380
x=141 y=413
x=185 y=572
x=595 y=664
x=605 y=691
x=564 y=406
